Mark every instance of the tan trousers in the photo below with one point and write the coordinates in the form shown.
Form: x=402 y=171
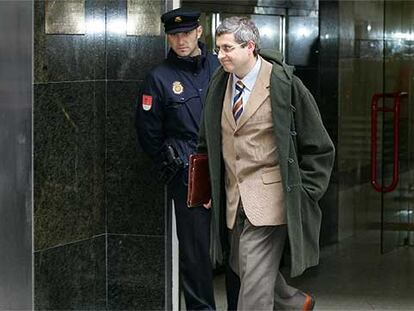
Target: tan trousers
x=255 y=257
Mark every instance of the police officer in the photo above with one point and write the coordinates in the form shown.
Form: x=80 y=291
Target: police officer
x=168 y=118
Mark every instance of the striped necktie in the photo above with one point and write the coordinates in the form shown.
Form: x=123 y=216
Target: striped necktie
x=238 y=100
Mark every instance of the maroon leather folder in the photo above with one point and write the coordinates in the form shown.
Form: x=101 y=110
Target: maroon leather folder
x=199 y=189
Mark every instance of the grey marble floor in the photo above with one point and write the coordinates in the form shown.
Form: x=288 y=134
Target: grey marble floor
x=353 y=275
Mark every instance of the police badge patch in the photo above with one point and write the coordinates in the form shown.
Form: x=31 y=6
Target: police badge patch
x=177 y=87
x=146 y=102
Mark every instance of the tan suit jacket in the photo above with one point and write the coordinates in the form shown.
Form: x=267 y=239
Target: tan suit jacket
x=252 y=172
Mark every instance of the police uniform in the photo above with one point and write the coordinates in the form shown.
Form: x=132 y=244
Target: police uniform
x=168 y=118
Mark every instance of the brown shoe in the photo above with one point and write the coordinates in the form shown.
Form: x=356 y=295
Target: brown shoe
x=309 y=303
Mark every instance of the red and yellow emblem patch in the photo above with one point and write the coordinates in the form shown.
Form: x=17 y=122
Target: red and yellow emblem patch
x=146 y=102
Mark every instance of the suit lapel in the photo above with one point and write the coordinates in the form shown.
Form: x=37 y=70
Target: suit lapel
x=259 y=93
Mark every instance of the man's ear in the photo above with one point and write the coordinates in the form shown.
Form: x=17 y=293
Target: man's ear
x=199 y=31
x=251 y=46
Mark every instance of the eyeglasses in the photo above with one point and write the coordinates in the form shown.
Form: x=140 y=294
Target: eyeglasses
x=227 y=48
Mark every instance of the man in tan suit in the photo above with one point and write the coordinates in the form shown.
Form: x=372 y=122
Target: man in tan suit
x=264 y=191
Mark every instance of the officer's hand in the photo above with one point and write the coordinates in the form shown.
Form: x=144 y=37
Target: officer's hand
x=166 y=173
x=207 y=205
x=170 y=166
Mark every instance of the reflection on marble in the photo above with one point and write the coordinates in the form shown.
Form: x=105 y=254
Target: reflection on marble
x=129 y=57
x=65 y=17
x=303 y=40
x=143 y=17
x=371 y=49
x=367 y=19
x=136 y=272
x=399 y=17
x=71 y=277
x=288 y=4
x=132 y=190
x=400 y=49
x=270 y=29
x=70 y=57
x=68 y=162
x=302 y=4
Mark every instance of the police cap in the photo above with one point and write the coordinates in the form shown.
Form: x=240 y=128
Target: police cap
x=180 y=20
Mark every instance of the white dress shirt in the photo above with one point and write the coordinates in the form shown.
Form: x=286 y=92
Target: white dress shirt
x=249 y=80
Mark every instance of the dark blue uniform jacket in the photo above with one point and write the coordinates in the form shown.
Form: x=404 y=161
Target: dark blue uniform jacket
x=171 y=104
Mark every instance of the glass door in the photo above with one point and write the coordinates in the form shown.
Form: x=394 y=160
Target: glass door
x=392 y=118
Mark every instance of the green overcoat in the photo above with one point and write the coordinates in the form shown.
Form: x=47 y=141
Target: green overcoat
x=306 y=157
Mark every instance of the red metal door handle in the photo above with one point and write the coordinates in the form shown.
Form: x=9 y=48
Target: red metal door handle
x=396 y=135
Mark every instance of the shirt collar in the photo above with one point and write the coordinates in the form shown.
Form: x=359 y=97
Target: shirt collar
x=250 y=79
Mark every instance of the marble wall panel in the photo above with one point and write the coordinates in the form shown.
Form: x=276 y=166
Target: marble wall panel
x=398 y=19
x=309 y=77
x=367 y=20
x=130 y=57
x=328 y=105
x=71 y=276
x=302 y=39
x=136 y=272
x=134 y=197
x=68 y=162
x=70 y=57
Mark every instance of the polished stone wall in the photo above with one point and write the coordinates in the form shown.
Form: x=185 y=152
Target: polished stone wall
x=329 y=105
x=98 y=214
